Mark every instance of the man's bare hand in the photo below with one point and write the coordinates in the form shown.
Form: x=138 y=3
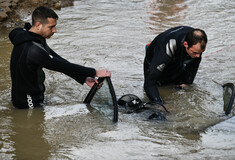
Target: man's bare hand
x=182 y=86
x=91 y=81
x=103 y=73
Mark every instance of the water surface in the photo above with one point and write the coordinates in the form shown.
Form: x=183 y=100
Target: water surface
x=113 y=34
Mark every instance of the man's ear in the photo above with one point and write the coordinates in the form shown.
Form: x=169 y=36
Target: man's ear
x=38 y=26
x=185 y=44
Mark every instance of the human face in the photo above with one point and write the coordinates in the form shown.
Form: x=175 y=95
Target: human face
x=195 y=51
x=47 y=30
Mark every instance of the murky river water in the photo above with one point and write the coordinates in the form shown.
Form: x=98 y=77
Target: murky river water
x=112 y=34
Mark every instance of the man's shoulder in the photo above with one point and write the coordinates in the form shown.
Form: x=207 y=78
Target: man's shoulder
x=36 y=48
x=178 y=30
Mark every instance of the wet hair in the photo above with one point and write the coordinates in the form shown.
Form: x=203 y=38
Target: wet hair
x=196 y=36
x=41 y=14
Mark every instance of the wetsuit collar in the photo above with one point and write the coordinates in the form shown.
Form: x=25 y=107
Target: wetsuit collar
x=22 y=35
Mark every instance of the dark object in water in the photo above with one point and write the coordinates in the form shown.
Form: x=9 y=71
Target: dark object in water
x=157 y=116
x=132 y=101
x=93 y=91
x=228 y=97
x=133 y=104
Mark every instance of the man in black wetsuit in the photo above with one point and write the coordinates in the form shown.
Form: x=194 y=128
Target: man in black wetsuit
x=173 y=57
x=31 y=53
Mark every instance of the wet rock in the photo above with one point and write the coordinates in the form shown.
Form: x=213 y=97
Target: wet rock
x=6 y=8
x=3 y=15
x=11 y=10
x=58 y=5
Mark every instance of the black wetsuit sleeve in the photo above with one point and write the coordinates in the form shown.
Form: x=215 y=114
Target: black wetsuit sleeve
x=72 y=75
x=40 y=57
x=159 y=60
x=54 y=54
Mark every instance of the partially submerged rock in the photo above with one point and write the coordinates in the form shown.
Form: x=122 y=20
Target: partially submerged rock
x=11 y=11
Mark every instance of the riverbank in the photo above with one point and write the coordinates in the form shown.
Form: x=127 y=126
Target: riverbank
x=13 y=12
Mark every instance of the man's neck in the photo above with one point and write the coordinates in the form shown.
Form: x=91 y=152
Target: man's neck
x=33 y=29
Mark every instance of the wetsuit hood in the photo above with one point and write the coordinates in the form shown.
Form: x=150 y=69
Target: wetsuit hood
x=20 y=35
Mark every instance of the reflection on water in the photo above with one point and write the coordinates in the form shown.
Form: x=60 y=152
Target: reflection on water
x=219 y=136
x=112 y=34
x=28 y=134
x=72 y=127
x=166 y=11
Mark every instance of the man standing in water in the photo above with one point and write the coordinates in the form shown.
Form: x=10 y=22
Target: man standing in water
x=173 y=57
x=31 y=53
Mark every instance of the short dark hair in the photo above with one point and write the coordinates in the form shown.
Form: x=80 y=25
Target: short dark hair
x=196 y=36
x=41 y=14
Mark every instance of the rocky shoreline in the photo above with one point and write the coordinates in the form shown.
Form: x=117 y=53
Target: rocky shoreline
x=12 y=12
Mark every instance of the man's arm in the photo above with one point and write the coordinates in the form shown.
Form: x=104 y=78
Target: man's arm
x=40 y=57
x=191 y=71
x=159 y=61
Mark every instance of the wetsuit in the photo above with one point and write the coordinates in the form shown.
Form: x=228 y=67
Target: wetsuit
x=167 y=62
x=29 y=55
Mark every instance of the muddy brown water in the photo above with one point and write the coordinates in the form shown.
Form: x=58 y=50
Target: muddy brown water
x=113 y=34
